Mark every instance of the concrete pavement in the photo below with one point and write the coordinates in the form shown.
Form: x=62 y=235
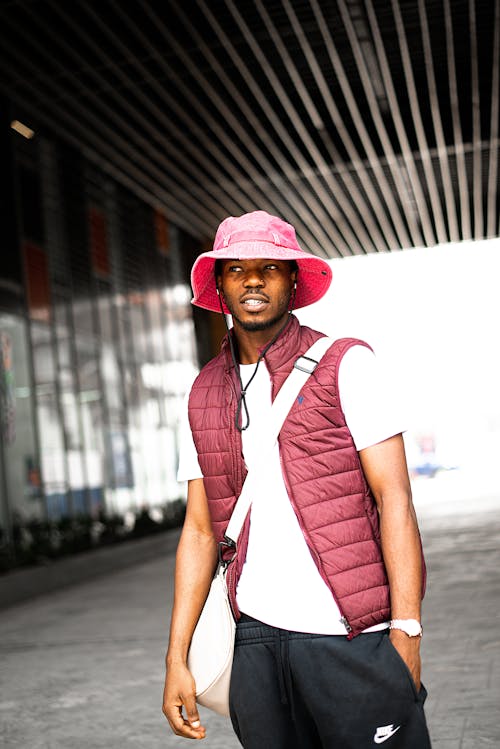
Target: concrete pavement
x=82 y=667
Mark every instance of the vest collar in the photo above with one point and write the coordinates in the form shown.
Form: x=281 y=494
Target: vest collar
x=284 y=347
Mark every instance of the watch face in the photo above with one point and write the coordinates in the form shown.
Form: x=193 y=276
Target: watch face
x=412 y=628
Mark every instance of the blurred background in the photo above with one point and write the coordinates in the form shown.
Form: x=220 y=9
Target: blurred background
x=127 y=134
x=431 y=316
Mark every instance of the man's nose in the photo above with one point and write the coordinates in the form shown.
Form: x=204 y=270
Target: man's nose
x=253 y=278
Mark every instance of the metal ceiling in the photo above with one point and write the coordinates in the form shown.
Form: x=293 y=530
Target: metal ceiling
x=371 y=125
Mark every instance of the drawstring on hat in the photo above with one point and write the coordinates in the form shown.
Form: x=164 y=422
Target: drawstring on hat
x=293 y=294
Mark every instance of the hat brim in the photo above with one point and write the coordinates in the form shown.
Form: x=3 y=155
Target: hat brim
x=313 y=281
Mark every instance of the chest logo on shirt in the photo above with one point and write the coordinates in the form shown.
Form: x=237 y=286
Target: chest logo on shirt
x=300 y=399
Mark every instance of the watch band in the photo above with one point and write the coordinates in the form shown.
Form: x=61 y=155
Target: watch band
x=411 y=627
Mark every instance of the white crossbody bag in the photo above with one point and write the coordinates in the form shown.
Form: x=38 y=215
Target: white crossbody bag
x=211 y=651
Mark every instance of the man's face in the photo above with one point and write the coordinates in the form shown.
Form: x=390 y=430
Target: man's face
x=256 y=292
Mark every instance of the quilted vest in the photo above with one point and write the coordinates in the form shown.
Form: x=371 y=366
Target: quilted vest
x=321 y=469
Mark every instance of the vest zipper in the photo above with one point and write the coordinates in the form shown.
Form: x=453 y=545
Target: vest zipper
x=316 y=557
x=233 y=432
x=229 y=586
x=344 y=621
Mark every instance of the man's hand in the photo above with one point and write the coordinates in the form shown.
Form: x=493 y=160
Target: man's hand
x=179 y=692
x=409 y=650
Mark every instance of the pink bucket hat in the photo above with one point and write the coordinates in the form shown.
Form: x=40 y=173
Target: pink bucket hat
x=254 y=235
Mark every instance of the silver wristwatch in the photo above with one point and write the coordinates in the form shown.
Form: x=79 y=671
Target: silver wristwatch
x=412 y=627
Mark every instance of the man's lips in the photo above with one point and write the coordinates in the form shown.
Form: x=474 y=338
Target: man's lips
x=254 y=303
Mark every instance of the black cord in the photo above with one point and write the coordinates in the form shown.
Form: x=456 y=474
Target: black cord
x=242 y=403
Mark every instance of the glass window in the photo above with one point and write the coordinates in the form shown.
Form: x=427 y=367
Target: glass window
x=69 y=408
x=89 y=396
x=22 y=471
x=110 y=370
x=52 y=453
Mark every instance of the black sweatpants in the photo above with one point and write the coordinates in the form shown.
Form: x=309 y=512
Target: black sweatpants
x=291 y=690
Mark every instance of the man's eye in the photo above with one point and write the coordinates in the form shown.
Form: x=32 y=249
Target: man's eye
x=234 y=268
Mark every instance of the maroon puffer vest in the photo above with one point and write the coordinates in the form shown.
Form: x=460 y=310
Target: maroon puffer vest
x=321 y=469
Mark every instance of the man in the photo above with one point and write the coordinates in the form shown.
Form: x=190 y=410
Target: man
x=328 y=578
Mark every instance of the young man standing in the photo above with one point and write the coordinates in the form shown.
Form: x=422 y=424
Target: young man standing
x=329 y=573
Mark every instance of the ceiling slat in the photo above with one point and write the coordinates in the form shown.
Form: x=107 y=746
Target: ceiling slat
x=463 y=184
x=492 y=191
x=477 y=181
x=448 y=193
x=434 y=199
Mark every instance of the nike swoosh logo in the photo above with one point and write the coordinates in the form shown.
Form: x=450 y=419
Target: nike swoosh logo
x=380 y=738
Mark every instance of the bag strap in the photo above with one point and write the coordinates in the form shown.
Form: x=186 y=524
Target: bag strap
x=302 y=368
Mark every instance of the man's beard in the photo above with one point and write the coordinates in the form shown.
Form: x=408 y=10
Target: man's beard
x=255 y=325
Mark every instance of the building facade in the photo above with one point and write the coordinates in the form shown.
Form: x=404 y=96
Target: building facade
x=97 y=339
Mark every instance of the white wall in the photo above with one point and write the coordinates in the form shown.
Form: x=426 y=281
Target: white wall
x=433 y=316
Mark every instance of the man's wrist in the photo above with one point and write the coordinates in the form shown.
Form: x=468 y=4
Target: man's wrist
x=177 y=658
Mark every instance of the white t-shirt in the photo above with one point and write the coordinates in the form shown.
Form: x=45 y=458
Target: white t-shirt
x=282 y=586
